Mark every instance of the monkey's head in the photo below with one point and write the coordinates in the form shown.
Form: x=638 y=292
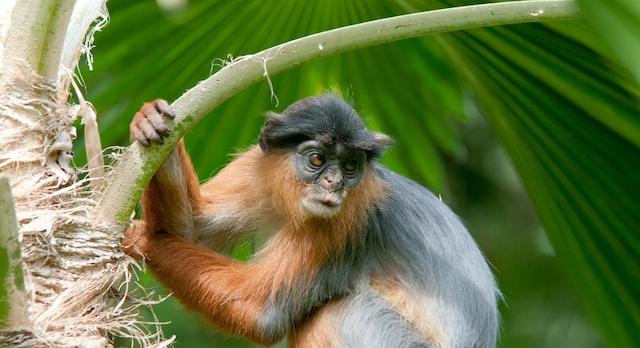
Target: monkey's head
x=331 y=149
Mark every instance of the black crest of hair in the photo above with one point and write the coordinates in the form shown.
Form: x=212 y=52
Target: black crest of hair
x=325 y=118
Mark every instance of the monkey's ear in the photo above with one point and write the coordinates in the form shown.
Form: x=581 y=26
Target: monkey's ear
x=267 y=132
x=382 y=140
x=380 y=143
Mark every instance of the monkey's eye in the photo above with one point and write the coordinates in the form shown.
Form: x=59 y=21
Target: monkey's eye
x=316 y=159
x=351 y=165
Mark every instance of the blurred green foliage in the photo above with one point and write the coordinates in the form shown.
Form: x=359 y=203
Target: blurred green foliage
x=563 y=110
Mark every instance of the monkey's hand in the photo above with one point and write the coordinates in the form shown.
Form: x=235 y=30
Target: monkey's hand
x=149 y=124
x=137 y=240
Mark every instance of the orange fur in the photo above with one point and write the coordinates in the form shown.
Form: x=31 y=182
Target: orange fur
x=220 y=288
x=261 y=189
x=175 y=193
x=319 y=331
x=403 y=301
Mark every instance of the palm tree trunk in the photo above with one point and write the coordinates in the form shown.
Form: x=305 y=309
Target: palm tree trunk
x=72 y=263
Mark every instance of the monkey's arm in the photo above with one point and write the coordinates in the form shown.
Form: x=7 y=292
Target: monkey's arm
x=173 y=193
x=215 y=213
x=173 y=196
x=234 y=204
x=235 y=297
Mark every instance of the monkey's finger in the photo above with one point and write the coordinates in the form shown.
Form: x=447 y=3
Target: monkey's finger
x=148 y=109
x=139 y=136
x=134 y=123
x=149 y=132
x=136 y=133
x=163 y=107
x=158 y=123
x=133 y=243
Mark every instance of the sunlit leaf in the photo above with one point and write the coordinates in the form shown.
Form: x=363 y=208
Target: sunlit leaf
x=618 y=23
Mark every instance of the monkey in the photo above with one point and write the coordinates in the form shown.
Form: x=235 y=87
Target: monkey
x=356 y=255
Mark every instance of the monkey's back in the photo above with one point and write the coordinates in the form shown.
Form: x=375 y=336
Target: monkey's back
x=425 y=266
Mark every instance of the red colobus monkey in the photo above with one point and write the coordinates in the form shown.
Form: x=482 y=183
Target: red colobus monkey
x=358 y=256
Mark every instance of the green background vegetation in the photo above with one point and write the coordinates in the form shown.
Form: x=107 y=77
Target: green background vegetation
x=530 y=132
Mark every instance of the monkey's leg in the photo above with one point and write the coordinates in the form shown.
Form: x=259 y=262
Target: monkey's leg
x=321 y=329
x=370 y=321
x=362 y=319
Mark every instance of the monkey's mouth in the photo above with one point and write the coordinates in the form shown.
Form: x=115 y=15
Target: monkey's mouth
x=326 y=204
x=329 y=201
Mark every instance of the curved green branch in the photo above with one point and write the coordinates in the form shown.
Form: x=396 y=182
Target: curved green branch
x=138 y=164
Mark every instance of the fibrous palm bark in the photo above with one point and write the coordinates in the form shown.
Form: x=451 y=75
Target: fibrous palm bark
x=69 y=293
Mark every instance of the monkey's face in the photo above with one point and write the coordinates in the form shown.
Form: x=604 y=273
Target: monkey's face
x=328 y=171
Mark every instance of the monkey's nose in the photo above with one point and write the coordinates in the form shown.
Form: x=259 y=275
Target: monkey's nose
x=332 y=181
x=327 y=183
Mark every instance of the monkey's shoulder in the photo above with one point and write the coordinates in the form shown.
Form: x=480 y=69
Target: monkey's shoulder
x=406 y=194
x=414 y=215
x=414 y=224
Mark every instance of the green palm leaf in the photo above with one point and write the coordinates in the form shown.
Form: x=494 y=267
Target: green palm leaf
x=618 y=25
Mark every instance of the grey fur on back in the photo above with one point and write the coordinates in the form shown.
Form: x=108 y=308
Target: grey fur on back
x=418 y=239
